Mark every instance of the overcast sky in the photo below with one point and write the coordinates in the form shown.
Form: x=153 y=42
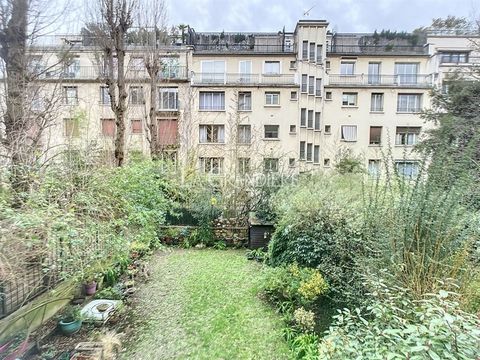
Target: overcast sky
x=343 y=15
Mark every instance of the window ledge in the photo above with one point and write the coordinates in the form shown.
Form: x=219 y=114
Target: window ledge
x=211 y=143
x=377 y=112
x=375 y=145
x=348 y=141
x=244 y=110
x=317 y=130
x=296 y=99
x=242 y=144
x=327 y=133
x=292 y=133
x=404 y=145
x=272 y=106
x=271 y=139
x=349 y=106
x=212 y=110
x=408 y=112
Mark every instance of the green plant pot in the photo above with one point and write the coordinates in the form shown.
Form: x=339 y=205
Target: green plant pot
x=69 y=327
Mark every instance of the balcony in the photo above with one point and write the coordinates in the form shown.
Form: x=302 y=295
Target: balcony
x=377 y=49
x=402 y=81
x=236 y=79
x=243 y=48
x=174 y=73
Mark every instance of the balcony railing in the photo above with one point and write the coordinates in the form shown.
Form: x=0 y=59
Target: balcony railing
x=243 y=79
x=245 y=48
x=378 y=49
x=97 y=73
x=408 y=81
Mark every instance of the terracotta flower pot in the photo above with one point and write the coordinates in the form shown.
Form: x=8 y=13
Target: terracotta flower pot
x=90 y=288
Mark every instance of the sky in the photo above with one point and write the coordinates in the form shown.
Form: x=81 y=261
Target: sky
x=343 y=15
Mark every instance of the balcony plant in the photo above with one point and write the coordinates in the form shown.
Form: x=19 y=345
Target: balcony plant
x=71 y=321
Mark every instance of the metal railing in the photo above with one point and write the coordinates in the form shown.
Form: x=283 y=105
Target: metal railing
x=274 y=48
x=243 y=79
x=378 y=49
x=419 y=80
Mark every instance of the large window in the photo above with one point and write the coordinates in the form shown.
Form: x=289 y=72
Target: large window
x=407 y=135
x=168 y=99
x=374 y=73
x=303 y=117
x=347 y=68
x=244 y=134
x=407 y=169
x=406 y=73
x=305 y=50
x=374 y=167
x=212 y=134
x=72 y=68
x=213 y=71
x=245 y=101
x=312 y=52
x=214 y=101
x=376 y=104
x=270 y=164
x=319 y=54
x=375 y=135
x=302 y=150
x=304 y=85
x=349 y=99
x=453 y=57
x=271 y=131
x=70 y=95
x=71 y=128
x=310 y=119
x=211 y=165
x=272 y=98
x=271 y=68
x=309 y=151
x=311 y=85
x=318 y=87
x=245 y=71
x=316 y=154
x=317 y=121
x=104 y=95
x=243 y=165
x=136 y=95
x=349 y=133
x=409 y=103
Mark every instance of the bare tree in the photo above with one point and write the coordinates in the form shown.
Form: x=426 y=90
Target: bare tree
x=114 y=20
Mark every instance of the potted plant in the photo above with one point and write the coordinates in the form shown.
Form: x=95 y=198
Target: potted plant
x=90 y=284
x=71 y=320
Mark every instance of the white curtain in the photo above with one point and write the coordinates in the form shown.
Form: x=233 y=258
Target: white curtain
x=349 y=133
x=203 y=134
x=221 y=134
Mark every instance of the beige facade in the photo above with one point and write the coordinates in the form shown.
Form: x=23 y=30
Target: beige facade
x=230 y=102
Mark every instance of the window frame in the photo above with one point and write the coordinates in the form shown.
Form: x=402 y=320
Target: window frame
x=272 y=95
x=221 y=94
x=271 y=132
x=348 y=103
x=214 y=134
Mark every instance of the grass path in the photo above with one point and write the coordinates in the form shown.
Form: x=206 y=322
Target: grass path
x=203 y=304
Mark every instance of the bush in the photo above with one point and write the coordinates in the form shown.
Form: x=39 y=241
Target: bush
x=397 y=327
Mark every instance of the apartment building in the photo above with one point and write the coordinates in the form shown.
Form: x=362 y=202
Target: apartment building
x=257 y=102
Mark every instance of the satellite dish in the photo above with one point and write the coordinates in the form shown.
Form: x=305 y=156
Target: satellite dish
x=307 y=12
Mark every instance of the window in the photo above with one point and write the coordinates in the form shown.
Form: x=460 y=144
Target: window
x=72 y=68
x=71 y=128
x=445 y=87
x=271 y=68
x=137 y=64
x=302 y=150
x=374 y=167
x=311 y=85
x=305 y=50
x=319 y=54
x=317 y=121
x=70 y=95
x=326 y=162
x=108 y=127
x=304 y=83
x=349 y=99
x=347 y=68
x=293 y=65
x=409 y=103
x=291 y=162
x=376 y=104
x=245 y=101
x=310 y=119
x=36 y=65
x=293 y=129
x=293 y=95
x=168 y=98
x=213 y=101
x=328 y=95
x=271 y=131
x=407 y=135
x=303 y=117
x=349 y=133
x=36 y=98
x=245 y=71
x=454 y=57
x=374 y=73
x=136 y=126
x=212 y=134
x=243 y=165
x=312 y=52
x=375 y=135
x=328 y=129
x=318 y=87
x=316 y=154
x=272 y=98
x=327 y=65
x=213 y=71
x=211 y=165
x=244 y=134
x=407 y=169
x=104 y=95
x=406 y=73
x=136 y=95
x=309 y=151
x=270 y=164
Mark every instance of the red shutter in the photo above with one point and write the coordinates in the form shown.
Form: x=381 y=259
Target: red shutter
x=167 y=131
x=108 y=127
x=136 y=126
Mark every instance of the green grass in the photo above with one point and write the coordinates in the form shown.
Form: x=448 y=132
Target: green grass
x=203 y=304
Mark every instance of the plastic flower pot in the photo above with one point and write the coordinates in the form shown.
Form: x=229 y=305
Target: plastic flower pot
x=69 y=327
x=90 y=288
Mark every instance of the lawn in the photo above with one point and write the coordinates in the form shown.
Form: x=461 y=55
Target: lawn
x=204 y=304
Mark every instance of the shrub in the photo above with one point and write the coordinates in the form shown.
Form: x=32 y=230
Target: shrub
x=109 y=293
x=396 y=327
